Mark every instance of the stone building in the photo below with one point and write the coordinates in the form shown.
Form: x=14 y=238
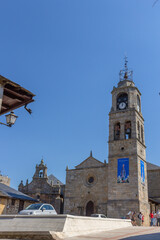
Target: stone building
x=121 y=185
x=47 y=189
x=13 y=201
x=153 y=173
x=82 y=197
x=127 y=168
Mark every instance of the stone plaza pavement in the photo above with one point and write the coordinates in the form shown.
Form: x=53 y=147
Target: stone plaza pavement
x=130 y=233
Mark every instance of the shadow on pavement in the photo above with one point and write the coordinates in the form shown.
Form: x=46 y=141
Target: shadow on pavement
x=153 y=236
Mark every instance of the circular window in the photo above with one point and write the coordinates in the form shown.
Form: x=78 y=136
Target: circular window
x=90 y=180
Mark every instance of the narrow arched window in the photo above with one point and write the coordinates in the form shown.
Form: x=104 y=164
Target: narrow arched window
x=138 y=104
x=142 y=135
x=117 y=131
x=127 y=130
x=138 y=130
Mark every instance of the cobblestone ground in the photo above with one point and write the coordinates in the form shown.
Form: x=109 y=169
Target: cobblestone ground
x=133 y=233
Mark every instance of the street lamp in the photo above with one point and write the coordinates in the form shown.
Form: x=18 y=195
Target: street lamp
x=10 y=119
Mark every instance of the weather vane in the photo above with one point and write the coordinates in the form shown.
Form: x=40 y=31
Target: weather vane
x=125 y=74
x=125 y=65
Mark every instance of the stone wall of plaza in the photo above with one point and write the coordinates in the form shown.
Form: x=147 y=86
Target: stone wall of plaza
x=86 y=190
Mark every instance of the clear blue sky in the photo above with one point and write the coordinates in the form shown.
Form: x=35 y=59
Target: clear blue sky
x=69 y=53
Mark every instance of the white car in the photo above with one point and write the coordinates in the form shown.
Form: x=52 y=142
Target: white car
x=98 y=215
x=39 y=209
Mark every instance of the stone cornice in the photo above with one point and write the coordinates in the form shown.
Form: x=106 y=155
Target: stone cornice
x=127 y=110
x=119 y=89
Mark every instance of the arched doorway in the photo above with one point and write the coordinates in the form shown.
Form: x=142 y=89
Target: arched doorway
x=89 y=208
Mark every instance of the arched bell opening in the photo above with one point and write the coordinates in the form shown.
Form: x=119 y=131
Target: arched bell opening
x=127 y=130
x=117 y=131
x=41 y=174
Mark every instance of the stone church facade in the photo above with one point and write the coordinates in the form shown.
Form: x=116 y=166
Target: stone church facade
x=86 y=189
x=121 y=185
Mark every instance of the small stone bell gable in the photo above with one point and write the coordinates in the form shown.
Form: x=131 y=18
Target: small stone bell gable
x=43 y=188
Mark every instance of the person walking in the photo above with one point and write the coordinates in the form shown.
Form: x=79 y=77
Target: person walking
x=158 y=218
x=133 y=219
x=140 y=218
x=151 y=218
x=154 y=219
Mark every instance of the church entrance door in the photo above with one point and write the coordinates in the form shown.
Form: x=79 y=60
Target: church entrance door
x=89 y=208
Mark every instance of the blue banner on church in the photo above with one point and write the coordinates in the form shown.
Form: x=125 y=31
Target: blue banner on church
x=142 y=172
x=123 y=170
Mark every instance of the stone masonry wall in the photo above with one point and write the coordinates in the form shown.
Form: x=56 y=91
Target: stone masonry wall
x=11 y=206
x=154 y=183
x=78 y=192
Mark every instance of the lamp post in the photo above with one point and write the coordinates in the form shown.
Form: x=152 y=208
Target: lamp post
x=10 y=119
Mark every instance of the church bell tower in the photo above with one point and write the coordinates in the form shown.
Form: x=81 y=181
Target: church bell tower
x=127 y=168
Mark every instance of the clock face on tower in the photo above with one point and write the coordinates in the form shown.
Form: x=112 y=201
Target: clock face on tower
x=122 y=101
x=122 y=105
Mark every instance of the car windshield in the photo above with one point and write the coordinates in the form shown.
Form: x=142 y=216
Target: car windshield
x=103 y=216
x=34 y=206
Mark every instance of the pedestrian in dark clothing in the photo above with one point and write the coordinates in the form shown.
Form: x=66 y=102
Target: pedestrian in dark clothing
x=133 y=219
x=158 y=218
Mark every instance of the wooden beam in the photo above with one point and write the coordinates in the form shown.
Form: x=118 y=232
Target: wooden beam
x=13 y=94
x=18 y=105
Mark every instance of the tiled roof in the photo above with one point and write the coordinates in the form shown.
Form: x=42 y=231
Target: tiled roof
x=53 y=180
x=9 y=192
x=151 y=166
x=154 y=200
